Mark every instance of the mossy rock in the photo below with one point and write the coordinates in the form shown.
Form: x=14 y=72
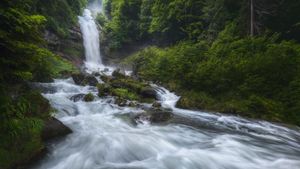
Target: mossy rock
x=125 y=94
x=155 y=116
x=148 y=92
x=84 y=79
x=104 y=89
x=89 y=97
x=39 y=106
x=156 y=105
x=121 y=102
x=105 y=78
x=77 y=97
x=128 y=83
x=117 y=74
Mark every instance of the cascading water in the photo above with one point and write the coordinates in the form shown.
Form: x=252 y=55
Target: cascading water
x=90 y=40
x=104 y=138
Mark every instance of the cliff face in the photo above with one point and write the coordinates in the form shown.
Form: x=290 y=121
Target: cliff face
x=69 y=47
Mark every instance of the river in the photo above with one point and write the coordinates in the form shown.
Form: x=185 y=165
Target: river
x=103 y=138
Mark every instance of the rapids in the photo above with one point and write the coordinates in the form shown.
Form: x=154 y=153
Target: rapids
x=103 y=138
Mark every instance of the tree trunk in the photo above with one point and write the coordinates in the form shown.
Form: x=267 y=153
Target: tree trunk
x=252 y=19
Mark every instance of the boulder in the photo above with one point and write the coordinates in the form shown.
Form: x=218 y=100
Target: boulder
x=54 y=128
x=121 y=102
x=103 y=89
x=154 y=116
x=105 y=78
x=156 y=105
x=84 y=79
x=91 y=80
x=106 y=70
x=96 y=74
x=159 y=116
x=78 y=78
x=77 y=97
x=132 y=104
x=89 y=97
x=148 y=92
x=118 y=74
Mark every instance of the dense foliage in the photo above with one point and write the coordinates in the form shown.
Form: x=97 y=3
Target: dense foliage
x=60 y=14
x=255 y=77
x=214 y=63
x=169 y=21
x=25 y=58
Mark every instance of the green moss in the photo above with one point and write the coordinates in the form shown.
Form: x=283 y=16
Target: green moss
x=195 y=100
x=128 y=83
x=254 y=77
x=89 y=97
x=125 y=94
x=21 y=142
x=21 y=122
x=103 y=89
x=72 y=49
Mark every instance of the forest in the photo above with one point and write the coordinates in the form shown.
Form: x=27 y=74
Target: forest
x=228 y=56
x=214 y=53
x=25 y=57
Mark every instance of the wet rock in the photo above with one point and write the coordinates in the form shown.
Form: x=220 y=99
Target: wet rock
x=132 y=104
x=78 y=78
x=77 y=97
x=54 y=128
x=89 y=97
x=84 y=79
x=156 y=105
x=160 y=116
x=118 y=74
x=103 y=89
x=155 y=116
x=148 y=92
x=105 y=78
x=91 y=80
x=43 y=88
x=117 y=84
x=142 y=118
x=96 y=74
x=121 y=102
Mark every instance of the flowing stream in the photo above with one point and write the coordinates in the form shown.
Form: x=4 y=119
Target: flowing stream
x=104 y=137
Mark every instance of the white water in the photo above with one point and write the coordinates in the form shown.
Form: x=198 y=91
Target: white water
x=104 y=139
x=95 y=6
x=90 y=41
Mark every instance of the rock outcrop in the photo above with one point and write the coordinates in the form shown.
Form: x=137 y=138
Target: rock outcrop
x=84 y=79
x=54 y=128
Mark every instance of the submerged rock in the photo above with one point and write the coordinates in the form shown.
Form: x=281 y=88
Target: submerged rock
x=77 y=97
x=54 y=128
x=154 y=116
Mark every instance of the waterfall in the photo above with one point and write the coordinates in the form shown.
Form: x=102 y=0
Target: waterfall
x=90 y=41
